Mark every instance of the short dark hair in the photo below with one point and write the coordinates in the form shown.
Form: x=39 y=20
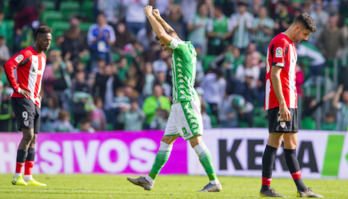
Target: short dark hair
x=306 y=21
x=42 y=29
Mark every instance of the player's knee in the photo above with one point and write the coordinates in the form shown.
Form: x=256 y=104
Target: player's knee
x=196 y=140
x=28 y=136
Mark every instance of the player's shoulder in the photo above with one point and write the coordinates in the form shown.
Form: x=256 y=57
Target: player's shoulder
x=27 y=52
x=280 y=39
x=24 y=54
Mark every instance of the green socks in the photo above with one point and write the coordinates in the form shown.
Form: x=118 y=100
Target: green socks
x=161 y=158
x=205 y=159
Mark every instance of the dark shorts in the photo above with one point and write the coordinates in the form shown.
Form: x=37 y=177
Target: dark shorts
x=27 y=114
x=275 y=126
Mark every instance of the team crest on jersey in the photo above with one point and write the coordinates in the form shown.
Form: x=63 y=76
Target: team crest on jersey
x=19 y=58
x=279 y=52
x=26 y=123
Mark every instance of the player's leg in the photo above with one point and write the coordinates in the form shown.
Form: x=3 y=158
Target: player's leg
x=162 y=156
x=274 y=141
x=29 y=162
x=22 y=153
x=290 y=145
x=268 y=158
x=24 y=111
x=166 y=145
x=205 y=158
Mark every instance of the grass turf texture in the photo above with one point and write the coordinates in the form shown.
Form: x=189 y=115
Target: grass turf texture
x=117 y=186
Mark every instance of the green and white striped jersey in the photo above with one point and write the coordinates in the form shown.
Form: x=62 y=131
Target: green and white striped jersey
x=184 y=71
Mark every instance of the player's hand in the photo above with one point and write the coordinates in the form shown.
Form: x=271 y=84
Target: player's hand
x=24 y=92
x=156 y=13
x=284 y=114
x=148 y=10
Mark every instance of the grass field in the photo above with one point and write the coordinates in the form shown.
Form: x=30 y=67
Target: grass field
x=116 y=186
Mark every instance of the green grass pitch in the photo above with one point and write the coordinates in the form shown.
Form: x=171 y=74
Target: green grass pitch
x=116 y=186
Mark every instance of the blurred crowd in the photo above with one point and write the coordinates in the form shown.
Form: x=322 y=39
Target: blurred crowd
x=112 y=74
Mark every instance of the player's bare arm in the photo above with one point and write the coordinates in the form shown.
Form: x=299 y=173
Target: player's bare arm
x=159 y=18
x=277 y=86
x=156 y=26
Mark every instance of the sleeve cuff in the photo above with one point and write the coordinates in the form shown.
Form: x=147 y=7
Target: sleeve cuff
x=278 y=64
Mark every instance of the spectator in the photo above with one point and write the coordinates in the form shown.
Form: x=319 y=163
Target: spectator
x=175 y=20
x=197 y=27
x=250 y=92
x=160 y=64
x=98 y=119
x=149 y=80
x=85 y=126
x=145 y=37
x=5 y=108
x=74 y=45
x=283 y=18
x=214 y=86
x=317 y=60
x=219 y=31
x=342 y=77
x=63 y=123
x=132 y=117
x=26 y=17
x=189 y=8
x=205 y=118
x=81 y=96
x=124 y=38
x=228 y=115
x=161 y=80
x=330 y=122
x=320 y=17
x=112 y=9
x=4 y=51
x=310 y=105
x=299 y=80
x=62 y=70
x=122 y=68
x=101 y=37
x=251 y=63
x=342 y=108
x=331 y=39
x=263 y=30
x=49 y=114
x=4 y=28
x=135 y=16
x=110 y=83
x=242 y=24
x=156 y=105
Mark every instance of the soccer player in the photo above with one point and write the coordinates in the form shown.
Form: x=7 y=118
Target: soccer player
x=185 y=119
x=26 y=100
x=281 y=103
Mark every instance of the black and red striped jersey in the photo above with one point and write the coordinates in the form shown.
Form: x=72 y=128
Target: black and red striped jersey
x=30 y=66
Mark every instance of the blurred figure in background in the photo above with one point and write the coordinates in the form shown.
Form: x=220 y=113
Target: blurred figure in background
x=101 y=37
x=74 y=45
x=342 y=108
x=219 y=31
x=197 y=27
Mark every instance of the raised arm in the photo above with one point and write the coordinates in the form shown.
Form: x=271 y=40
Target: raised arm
x=156 y=26
x=337 y=97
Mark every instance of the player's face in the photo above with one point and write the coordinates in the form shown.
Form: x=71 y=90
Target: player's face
x=302 y=34
x=43 y=41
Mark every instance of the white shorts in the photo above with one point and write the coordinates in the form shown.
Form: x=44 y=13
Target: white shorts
x=185 y=119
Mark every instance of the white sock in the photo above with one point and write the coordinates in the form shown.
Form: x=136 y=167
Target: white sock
x=148 y=178
x=27 y=178
x=16 y=175
x=216 y=181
